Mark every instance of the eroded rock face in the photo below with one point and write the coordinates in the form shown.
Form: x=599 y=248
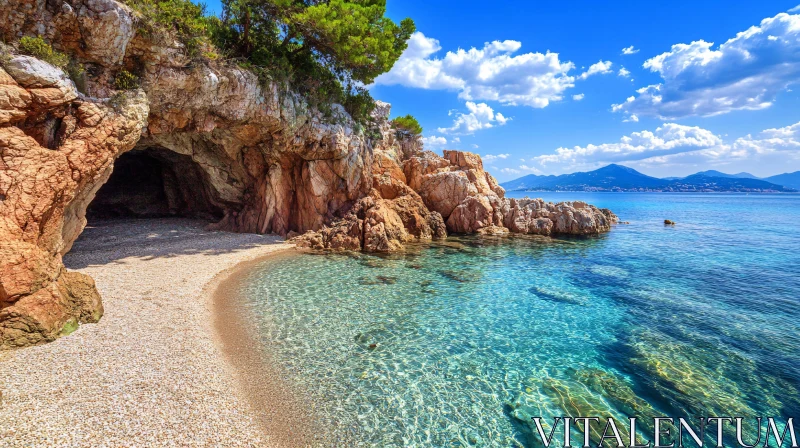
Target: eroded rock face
x=470 y=200
x=254 y=154
x=55 y=152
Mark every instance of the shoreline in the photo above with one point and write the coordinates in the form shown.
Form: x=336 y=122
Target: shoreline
x=273 y=401
x=152 y=372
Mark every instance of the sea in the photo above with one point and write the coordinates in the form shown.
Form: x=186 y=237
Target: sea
x=463 y=342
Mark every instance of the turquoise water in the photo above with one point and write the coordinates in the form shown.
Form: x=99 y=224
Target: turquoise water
x=459 y=343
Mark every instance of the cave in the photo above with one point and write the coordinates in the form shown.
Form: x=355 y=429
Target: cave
x=155 y=183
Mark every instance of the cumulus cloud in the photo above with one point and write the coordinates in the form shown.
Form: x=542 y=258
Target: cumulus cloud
x=578 y=97
x=488 y=158
x=599 y=68
x=629 y=50
x=434 y=141
x=624 y=72
x=744 y=73
x=495 y=72
x=778 y=148
x=480 y=116
x=670 y=138
x=674 y=146
x=456 y=140
x=770 y=141
x=632 y=118
x=795 y=9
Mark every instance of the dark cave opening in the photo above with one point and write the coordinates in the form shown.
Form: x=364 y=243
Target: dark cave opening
x=154 y=183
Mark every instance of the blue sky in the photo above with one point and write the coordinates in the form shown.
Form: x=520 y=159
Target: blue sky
x=547 y=88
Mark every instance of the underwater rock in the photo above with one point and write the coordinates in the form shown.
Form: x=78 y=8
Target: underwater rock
x=456 y=276
x=682 y=376
x=386 y=280
x=557 y=296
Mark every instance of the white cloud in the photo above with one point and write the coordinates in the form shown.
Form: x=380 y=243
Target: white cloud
x=434 y=141
x=744 y=73
x=795 y=9
x=685 y=148
x=669 y=138
x=456 y=140
x=492 y=73
x=480 y=116
x=599 y=68
x=629 y=50
x=474 y=146
x=624 y=72
x=578 y=97
x=632 y=118
x=770 y=141
x=521 y=169
x=488 y=158
x=775 y=149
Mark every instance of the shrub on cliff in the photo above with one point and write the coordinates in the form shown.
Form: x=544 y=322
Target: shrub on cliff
x=186 y=19
x=407 y=126
x=125 y=80
x=325 y=50
x=38 y=48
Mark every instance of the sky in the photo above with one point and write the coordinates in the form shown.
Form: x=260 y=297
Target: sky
x=540 y=87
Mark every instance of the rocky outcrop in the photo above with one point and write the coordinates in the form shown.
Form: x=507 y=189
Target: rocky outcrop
x=471 y=201
x=219 y=143
x=56 y=150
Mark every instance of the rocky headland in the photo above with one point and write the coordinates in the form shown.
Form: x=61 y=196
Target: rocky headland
x=223 y=145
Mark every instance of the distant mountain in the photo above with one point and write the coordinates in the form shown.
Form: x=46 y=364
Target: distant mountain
x=621 y=178
x=791 y=180
x=715 y=183
x=608 y=177
x=715 y=173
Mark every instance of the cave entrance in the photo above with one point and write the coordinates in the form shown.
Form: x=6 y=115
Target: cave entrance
x=154 y=183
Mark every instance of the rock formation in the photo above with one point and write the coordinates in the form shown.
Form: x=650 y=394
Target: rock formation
x=226 y=145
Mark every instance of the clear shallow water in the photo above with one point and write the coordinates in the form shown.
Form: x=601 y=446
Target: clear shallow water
x=459 y=343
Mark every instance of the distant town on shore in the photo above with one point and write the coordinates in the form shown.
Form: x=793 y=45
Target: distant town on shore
x=621 y=178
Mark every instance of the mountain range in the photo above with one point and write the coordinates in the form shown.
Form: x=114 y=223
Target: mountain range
x=621 y=178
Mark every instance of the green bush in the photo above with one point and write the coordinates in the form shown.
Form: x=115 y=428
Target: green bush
x=125 y=80
x=38 y=48
x=321 y=49
x=183 y=17
x=407 y=126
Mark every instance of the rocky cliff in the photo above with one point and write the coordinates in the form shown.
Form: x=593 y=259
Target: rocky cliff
x=217 y=143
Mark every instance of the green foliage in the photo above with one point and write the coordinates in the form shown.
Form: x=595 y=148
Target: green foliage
x=324 y=49
x=351 y=36
x=407 y=126
x=38 y=48
x=125 y=80
x=183 y=17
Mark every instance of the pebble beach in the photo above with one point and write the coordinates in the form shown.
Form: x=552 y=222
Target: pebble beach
x=153 y=371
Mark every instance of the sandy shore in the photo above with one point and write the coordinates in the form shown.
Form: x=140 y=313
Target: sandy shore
x=153 y=371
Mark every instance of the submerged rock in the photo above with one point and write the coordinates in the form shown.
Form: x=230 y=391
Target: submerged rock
x=456 y=276
x=558 y=296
